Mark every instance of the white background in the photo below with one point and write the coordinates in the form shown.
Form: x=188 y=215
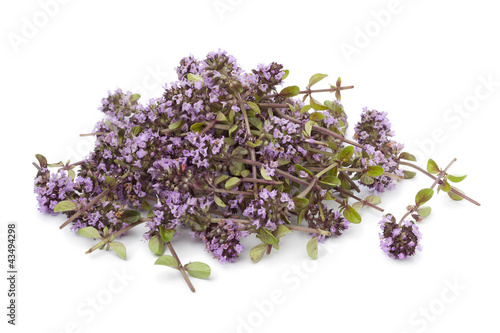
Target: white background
x=418 y=63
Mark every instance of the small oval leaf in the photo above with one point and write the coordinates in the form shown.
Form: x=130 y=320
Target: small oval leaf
x=89 y=232
x=167 y=260
x=119 y=248
x=423 y=196
x=156 y=245
x=198 y=270
x=64 y=206
x=257 y=252
x=312 y=248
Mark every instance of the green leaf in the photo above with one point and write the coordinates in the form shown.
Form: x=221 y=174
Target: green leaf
x=357 y=205
x=219 y=202
x=312 y=248
x=264 y=174
x=282 y=161
x=282 y=230
x=220 y=179
x=299 y=168
x=56 y=165
x=373 y=199
x=64 y=206
x=105 y=232
x=42 y=160
x=176 y=125
x=432 y=167
x=367 y=180
x=245 y=173
x=346 y=153
x=316 y=78
x=424 y=211
x=119 y=248
x=267 y=237
x=305 y=108
x=254 y=107
x=301 y=216
x=374 y=171
x=192 y=77
x=455 y=196
x=134 y=98
x=446 y=187
x=167 y=260
x=352 y=215
x=423 y=196
x=110 y=181
x=156 y=245
x=239 y=151
x=89 y=232
x=71 y=174
x=300 y=203
x=316 y=116
x=407 y=156
x=287 y=72
x=330 y=180
x=290 y=91
x=308 y=127
x=145 y=205
x=198 y=270
x=456 y=178
x=232 y=129
x=409 y=174
x=317 y=105
x=221 y=117
x=121 y=135
x=256 y=122
x=198 y=127
x=257 y=252
x=254 y=144
x=136 y=130
x=232 y=183
x=130 y=216
x=166 y=234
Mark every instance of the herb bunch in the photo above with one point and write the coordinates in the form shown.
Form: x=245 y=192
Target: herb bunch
x=224 y=154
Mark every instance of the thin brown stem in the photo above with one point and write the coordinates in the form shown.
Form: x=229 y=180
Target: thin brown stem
x=107 y=239
x=455 y=191
x=313 y=91
x=350 y=181
x=313 y=231
x=442 y=173
x=249 y=133
x=181 y=267
x=262 y=181
x=92 y=202
x=341 y=190
x=219 y=190
x=315 y=128
x=308 y=188
x=94 y=134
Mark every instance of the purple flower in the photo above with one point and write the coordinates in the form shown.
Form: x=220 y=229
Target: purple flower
x=399 y=241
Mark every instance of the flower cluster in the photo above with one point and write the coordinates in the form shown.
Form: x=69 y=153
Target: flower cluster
x=374 y=132
x=225 y=153
x=222 y=239
x=399 y=241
